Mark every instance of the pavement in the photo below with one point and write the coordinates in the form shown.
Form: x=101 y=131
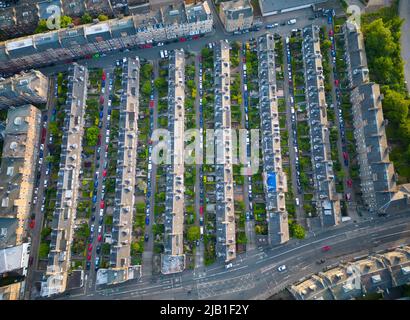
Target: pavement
x=404 y=11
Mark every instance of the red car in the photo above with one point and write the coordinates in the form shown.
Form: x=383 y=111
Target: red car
x=104 y=76
x=99 y=238
x=182 y=40
x=99 y=139
x=201 y=211
x=349 y=183
x=104 y=173
x=337 y=82
x=32 y=224
x=89 y=257
x=244 y=60
x=151 y=104
x=101 y=100
x=331 y=33
x=90 y=247
x=345 y=156
x=102 y=204
x=326 y=248
x=196 y=37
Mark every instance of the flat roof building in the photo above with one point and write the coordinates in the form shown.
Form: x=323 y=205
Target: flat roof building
x=173 y=259
x=225 y=212
x=24 y=88
x=325 y=197
x=65 y=211
x=271 y=7
x=275 y=180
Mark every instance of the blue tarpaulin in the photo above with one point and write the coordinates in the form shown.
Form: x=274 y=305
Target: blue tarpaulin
x=271 y=181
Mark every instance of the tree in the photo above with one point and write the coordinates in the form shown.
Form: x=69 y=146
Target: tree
x=146 y=87
x=193 y=233
x=327 y=44
x=65 y=21
x=395 y=106
x=44 y=249
x=86 y=18
x=92 y=135
x=102 y=17
x=42 y=26
x=146 y=70
x=297 y=231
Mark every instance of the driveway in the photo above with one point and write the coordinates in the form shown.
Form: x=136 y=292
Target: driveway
x=405 y=39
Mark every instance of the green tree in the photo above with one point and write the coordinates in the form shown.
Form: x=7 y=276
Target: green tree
x=146 y=87
x=193 y=233
x=298 y=231
x=86 y=18
x=102 y=17
x=42 y=26
x=43 y=250
x=92 y=135
x=395 y=106
x=65 y=21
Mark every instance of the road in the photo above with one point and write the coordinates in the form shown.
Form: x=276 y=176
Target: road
x=247 y=185
x=288 y=90
x=196 y=45
x=35 y=234
x=404 y=10
x=199 y=201
x=254 y=274
x=149 y=245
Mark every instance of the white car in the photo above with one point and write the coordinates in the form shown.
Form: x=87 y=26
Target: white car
x=282 y=268
x=103 y=90
x=101 y=212
x=42 y=208
x=161 y=54
x=99 y=229
x=228 y=266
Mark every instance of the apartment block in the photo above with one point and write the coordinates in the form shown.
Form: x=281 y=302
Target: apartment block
x=325 y=196
x=24 y=88
x=275 y=180
x=124 y=208
x=64 y=215
x=54 y=47
x=236 y=15
x=225 y=211
x=173 y=259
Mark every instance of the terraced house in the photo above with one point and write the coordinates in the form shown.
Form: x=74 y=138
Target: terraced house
x=173 y=259
x=167 y=23
x=17 y=174
x=124 y=208
x=377 y=175
x=65 y=211
x=225 y=213
x=25 y=88
x=275 y=180
x=325 y=196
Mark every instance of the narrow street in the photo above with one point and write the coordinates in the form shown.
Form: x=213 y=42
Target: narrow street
x=288 y=92
x=149 y=245
x=199 y=255
x=247 y=186
x=102 y=160
x=39 y=215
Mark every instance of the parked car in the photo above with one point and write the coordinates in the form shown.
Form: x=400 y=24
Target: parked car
x=282 y=268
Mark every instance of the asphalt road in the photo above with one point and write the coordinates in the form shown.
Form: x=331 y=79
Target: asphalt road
x=254 y=274
x=405 y=38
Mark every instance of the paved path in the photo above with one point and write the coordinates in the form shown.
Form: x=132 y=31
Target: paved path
x=404 y=10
